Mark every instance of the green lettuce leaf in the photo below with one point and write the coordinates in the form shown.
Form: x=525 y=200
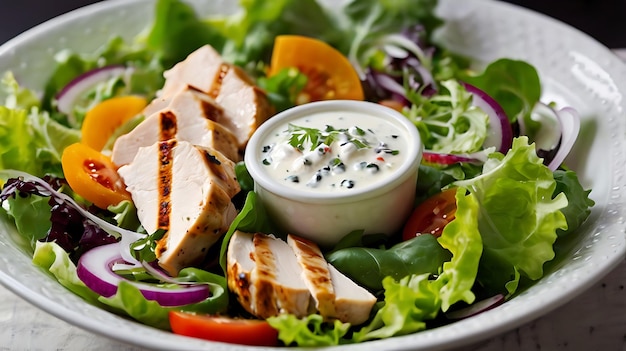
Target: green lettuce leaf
x=462 y=237
x=32 y=142
x=448 y=122
x=177 y=31
x=409 y=302
x=129 y=301
x=31 y=215
x=310 y=331
x=518 y=216
x=52 y=258
x=514 y=84
x=252 y=218
x=578 y=202
x=368 y=266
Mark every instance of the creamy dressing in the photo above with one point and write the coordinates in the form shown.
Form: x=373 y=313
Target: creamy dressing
x=334 y=151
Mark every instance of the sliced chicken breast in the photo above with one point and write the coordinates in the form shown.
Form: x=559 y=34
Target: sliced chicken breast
x=277 y=278
x=315 y=273
x=245 y=105
x=189 y=116
x=353 y=303
x=185 y=190
x=263 y=273
x=240 y=263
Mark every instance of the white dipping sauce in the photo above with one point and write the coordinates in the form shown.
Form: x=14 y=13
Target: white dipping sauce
x=350 y=150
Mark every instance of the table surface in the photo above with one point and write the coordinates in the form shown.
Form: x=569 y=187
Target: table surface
x=595 y=320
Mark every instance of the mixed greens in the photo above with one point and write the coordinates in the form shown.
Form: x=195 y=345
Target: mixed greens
x=511 y=208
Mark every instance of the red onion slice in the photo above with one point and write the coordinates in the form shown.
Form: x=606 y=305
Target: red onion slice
x=569 y=122
x=476 y=307
x=500 y=131
x=95 y=270
x=68 y=96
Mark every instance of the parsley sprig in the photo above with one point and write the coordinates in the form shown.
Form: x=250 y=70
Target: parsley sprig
x=303 y=137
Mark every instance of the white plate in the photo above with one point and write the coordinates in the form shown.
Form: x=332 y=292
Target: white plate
x=575 y=69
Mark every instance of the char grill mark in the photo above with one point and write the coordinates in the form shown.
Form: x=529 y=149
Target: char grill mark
x=165 y=181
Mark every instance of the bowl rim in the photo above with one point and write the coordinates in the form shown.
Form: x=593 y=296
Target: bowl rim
x=408 y=169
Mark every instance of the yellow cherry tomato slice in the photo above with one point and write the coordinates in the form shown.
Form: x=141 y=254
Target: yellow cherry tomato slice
x=93 y=176
x=102 y=120
x=330 y=74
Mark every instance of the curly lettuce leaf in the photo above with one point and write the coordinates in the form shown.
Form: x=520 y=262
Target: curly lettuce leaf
x=518 y=216
x=310 y=331
x=409 y=302
x=578 y=202
x=31 y=215
x=32 y=142
x=462 y=237
x=448 y=122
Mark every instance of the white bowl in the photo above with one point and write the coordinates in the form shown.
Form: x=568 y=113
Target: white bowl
x=575 y=70
x=325 y=217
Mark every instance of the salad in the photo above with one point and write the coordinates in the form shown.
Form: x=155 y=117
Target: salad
x=493 y=195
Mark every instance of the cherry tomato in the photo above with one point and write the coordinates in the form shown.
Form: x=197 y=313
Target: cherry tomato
x=102 y=120
x=93 y=176
x=225 y=329
x=330 y=74
x=432 y=215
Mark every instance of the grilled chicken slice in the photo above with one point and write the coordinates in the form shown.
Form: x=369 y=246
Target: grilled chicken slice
x=189 y=116
x=185 y=190
x=278 y=279
x=262 y=271
x=270 y=276
x=240 y=263
x=315 y=273
x=245 y=105
x=353 y=303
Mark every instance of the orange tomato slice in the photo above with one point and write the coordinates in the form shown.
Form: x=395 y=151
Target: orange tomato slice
x=102 y=120
x=330 y=74
x=93 y=176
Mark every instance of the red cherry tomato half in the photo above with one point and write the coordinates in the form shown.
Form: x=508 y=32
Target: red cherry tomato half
x=432 y=215
x=218 y=328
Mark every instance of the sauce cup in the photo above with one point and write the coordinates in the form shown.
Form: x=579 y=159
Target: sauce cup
x=375 y=192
